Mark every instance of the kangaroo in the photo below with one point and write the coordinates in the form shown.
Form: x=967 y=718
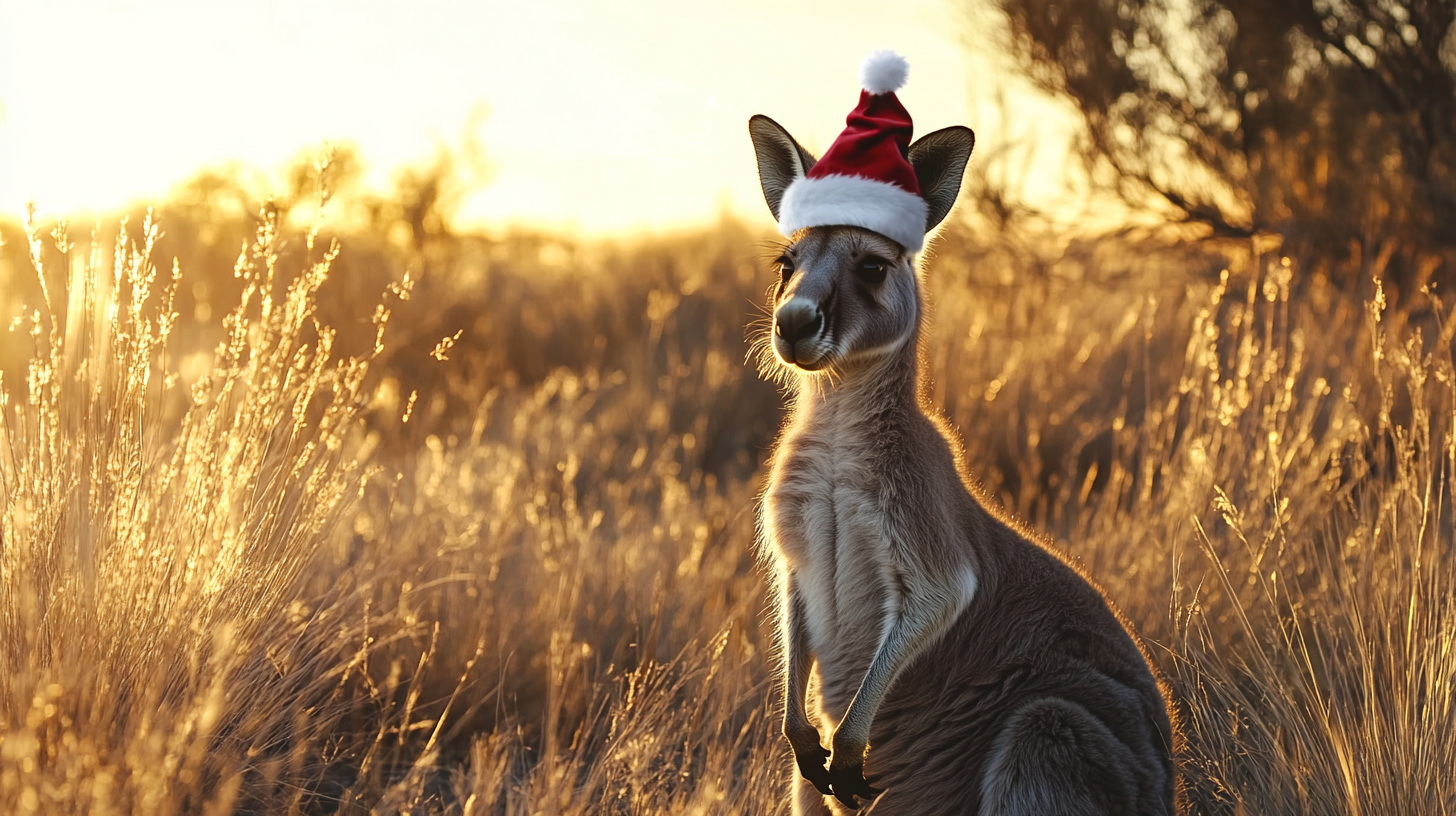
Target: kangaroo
x=962 y=667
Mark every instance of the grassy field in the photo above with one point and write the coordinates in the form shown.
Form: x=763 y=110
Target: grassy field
x=425 y=521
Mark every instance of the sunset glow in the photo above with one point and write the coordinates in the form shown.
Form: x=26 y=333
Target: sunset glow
x=603 y=117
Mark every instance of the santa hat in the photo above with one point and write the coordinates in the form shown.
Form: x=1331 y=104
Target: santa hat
x=864 y=179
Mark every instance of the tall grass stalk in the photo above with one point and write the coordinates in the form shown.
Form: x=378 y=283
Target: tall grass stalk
x=158 y=655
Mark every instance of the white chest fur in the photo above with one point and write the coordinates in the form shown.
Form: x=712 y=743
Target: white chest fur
x=827 y=521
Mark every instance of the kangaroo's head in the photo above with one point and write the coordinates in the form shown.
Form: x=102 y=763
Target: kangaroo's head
x=846 y=294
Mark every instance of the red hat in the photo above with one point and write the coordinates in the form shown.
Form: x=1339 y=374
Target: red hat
x=864 y=178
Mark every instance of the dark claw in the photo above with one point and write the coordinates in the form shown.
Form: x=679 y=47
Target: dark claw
x=811 y=766
x=849 y=783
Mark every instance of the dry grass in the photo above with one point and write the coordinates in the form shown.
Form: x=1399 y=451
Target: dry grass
x=264 y=551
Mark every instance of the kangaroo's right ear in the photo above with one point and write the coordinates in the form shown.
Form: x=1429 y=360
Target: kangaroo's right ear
x=939 y=160
x=781 y=160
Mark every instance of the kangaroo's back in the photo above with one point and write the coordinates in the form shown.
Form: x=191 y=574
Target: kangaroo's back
x=1038 y=664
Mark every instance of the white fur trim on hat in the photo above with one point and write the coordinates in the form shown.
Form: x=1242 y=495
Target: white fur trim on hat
x=837 y=200
x=883 y=72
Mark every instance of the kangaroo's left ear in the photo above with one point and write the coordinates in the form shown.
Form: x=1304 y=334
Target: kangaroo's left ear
x=939 y=160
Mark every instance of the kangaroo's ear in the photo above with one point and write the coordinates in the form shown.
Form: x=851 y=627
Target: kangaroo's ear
x=939 y=160
x=781 y=160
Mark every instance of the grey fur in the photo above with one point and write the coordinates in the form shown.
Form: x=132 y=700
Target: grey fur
x=961 y=667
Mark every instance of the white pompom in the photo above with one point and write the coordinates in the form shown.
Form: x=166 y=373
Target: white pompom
x=883 y=72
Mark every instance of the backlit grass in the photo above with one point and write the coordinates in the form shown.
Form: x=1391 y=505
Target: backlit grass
x=269 y=545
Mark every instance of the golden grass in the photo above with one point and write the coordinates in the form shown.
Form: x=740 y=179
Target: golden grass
x=264 y=551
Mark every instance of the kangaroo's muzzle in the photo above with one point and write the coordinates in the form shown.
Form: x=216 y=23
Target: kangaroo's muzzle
x=798 y=329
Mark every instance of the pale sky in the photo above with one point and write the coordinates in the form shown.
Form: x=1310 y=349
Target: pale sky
x=593 y=115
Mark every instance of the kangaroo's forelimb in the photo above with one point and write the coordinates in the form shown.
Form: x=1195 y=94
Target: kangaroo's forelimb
x=803 y=737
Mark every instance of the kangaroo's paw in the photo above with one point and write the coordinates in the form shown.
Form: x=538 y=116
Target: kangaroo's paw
x=849 y=782
x=811 y=767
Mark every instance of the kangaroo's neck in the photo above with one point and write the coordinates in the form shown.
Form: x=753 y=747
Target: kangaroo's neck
x=874 y=391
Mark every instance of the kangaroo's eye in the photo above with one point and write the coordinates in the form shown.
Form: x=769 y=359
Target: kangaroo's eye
x=786 y=268
x=872 y=270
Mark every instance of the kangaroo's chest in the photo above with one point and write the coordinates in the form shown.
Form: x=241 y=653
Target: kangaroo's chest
x=825 y=508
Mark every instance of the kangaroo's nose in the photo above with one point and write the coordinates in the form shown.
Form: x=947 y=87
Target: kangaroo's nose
x=798 y=320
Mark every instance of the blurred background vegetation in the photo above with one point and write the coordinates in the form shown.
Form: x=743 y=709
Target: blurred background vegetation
x=325 y=503
x=1328 y=123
